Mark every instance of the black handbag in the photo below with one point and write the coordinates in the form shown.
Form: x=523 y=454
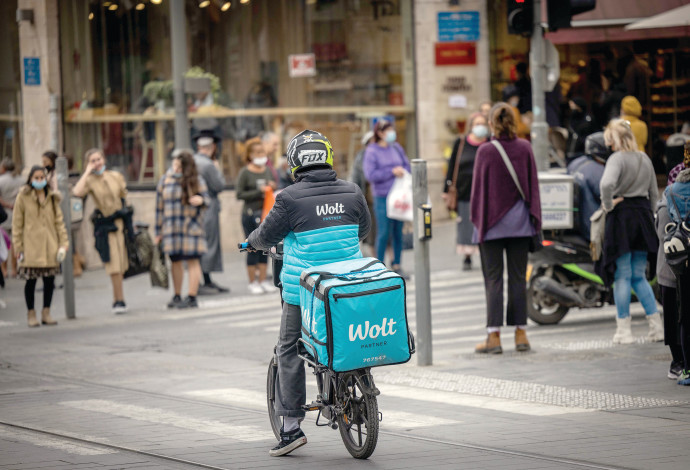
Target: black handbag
x=159 y=269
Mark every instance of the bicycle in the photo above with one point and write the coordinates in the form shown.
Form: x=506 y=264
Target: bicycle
x=347 y=400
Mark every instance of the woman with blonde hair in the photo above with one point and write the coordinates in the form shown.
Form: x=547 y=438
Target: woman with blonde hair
x=628 y=192
x=108 y=189
x=505 y=209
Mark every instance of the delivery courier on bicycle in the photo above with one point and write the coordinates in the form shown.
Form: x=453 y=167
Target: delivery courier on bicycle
x=321 y=220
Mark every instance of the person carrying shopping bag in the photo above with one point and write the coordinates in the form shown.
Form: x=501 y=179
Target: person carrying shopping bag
x=40 y=241
x=384 y=162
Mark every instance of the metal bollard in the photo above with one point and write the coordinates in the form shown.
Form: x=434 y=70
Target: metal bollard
x=422 y=235
x=67 y=264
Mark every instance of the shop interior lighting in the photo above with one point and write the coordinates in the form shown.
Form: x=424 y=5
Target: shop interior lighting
x=107 y=4
x=113 y=7
x=156 y=2
x=140 y=6
x=90 y=15
x=225 y=6
x=204 y=3
x=244 y=1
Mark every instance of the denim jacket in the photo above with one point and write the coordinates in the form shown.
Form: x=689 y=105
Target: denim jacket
x=681 y=196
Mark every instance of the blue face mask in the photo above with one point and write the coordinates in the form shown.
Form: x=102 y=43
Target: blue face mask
x=390 y=136
x=39 y=184
x=100 y=172
x=480 y=131
x=176 y=175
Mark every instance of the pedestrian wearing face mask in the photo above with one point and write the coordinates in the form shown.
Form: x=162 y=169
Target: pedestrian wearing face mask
x=109 y=190
x=460 y=169
x=48 y=159
x=181 y=200
x=252 y=183
x=40 y=241
x=384 y=161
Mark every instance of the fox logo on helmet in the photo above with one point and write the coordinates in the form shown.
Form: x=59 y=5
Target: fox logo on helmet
x=309 y=149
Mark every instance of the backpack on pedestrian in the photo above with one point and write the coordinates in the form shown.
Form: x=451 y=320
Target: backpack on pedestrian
x=677 y=242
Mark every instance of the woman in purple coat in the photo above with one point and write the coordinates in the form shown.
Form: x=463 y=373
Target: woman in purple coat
x=504 y=221
x=384 y=161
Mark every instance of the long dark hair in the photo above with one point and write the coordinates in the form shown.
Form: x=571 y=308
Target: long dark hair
x=190 y=176
x=52 y=156
x=33 y=170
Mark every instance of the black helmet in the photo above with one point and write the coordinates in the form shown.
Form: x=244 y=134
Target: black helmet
x=309 y=149
x=596 y=147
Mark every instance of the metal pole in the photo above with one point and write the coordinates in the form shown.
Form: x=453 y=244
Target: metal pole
x=421 y=265
x=54 y=123
x=67 y=264
x=537 y=59
x=179 y=67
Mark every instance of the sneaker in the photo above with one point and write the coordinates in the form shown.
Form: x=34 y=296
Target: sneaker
x=174 y=301
x=289 y=441
x=467 y=264
x=207 y=290
x=119 y=307
x=188 y=302
x=268 y=286
x=255 y=288
x=684 y=378
x=675 y=370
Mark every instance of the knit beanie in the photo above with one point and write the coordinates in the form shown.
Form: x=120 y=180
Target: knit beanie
x=631 y=106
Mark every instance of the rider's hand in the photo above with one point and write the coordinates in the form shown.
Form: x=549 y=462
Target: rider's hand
x=196 y=200
x=250 y=248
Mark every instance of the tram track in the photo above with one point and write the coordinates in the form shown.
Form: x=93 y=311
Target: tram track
x=579 y=463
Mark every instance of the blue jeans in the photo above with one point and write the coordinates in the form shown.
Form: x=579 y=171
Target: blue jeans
x=385 y=228
x=630 y=273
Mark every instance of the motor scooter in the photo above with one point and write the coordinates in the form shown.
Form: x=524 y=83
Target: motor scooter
x=561 y=276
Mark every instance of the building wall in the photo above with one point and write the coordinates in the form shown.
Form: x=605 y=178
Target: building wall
x=40 y=39
x=435 y=85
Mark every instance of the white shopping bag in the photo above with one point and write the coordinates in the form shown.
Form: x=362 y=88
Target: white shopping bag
x=4 y=251
x=399 y=199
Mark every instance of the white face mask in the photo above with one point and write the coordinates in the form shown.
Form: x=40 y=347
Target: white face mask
x=480 y=131
x=260 y=161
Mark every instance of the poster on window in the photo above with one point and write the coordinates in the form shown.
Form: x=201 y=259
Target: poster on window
x=302 y=65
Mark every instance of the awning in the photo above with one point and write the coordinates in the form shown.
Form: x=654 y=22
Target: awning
x=606 y=23
x=676 y=17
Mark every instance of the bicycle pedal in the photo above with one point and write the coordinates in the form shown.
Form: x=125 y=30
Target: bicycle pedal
x=313 y=406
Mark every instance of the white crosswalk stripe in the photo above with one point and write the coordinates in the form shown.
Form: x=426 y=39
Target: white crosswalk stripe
x=12 y=434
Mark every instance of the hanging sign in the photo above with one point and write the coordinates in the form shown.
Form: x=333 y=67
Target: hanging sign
x=302 y=65
x=456 y=53
x=458 y=26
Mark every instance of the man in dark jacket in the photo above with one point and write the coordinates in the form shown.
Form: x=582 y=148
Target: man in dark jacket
x=321 y=220
x=209 y=169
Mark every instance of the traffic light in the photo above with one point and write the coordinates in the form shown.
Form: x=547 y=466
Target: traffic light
x=520 y=17
x=560 y=12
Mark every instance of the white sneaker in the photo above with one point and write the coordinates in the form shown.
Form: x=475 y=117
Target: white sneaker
x=656 y=327
x=255 y=288
x=623 y=331
x=268 y=286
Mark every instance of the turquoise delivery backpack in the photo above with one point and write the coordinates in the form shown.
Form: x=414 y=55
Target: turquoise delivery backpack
x=354 y=315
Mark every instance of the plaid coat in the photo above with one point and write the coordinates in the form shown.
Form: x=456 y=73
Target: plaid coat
x=181 y=226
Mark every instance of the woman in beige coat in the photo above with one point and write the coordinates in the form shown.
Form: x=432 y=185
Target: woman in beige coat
x=40 y=240
x=108 y=189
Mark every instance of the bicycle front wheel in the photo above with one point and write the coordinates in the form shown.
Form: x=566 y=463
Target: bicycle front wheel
x=359 y=422
x=271 y=397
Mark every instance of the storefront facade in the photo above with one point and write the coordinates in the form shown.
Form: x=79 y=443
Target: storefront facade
x=331 y=65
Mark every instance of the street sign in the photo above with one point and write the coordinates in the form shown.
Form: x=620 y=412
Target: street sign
x=302 y=65
x=32 y=71
x=458 y=26
x=456 y=53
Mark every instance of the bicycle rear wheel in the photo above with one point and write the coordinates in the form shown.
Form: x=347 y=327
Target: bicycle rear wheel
x=276 y=422
x=359 y=422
